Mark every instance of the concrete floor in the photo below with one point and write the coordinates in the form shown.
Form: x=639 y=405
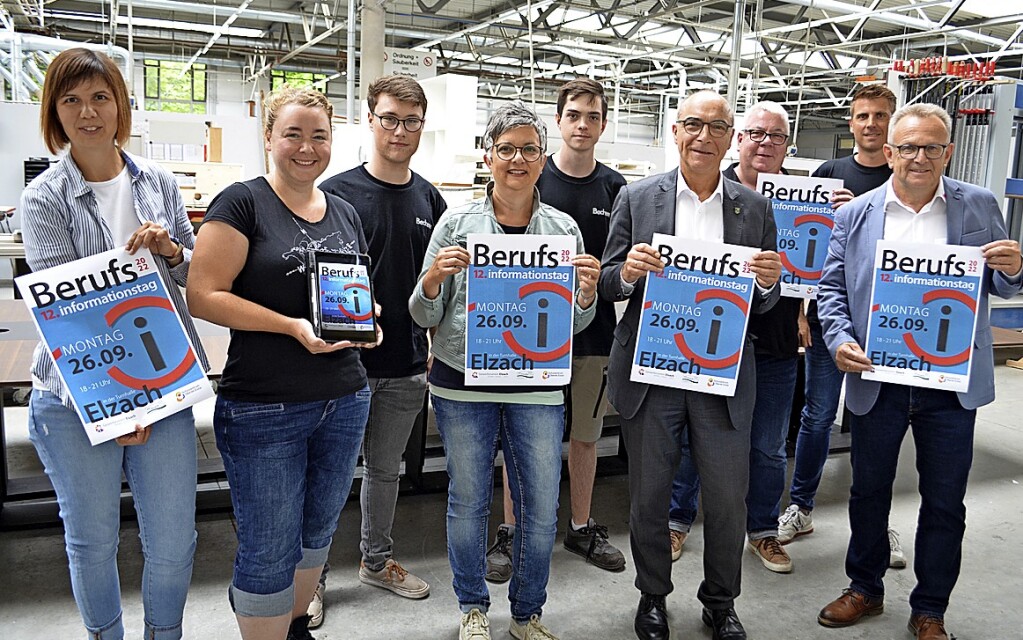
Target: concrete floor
x=585 y=602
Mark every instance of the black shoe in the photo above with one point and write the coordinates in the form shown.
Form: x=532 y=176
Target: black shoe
x=300 y=629
x=499 y=560
x=591 y=543
x=651 y=618
x=725 y=624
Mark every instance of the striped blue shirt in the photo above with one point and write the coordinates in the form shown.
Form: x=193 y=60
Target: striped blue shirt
x=61 y=222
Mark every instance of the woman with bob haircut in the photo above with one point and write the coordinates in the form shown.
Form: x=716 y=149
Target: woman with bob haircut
x=291 y=408
x=96 y=198
x=528 y=421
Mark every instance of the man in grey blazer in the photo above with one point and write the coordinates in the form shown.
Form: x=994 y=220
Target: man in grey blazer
x=694 y=202
x=917 y=204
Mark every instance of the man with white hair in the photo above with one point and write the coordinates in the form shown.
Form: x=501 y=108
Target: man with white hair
x=917 y=204
x=762 y=145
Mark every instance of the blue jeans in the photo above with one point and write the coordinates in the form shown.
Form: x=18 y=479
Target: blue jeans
x=822 y=389
x=531 y=441
x=290 y=467
x=87 y=480
x=943 y=435
x=776 y=384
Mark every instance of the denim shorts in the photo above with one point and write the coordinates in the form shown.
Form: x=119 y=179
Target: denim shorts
x=290 y=467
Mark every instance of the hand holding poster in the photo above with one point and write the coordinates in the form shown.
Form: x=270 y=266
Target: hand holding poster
x=804 y=217
x=693 y=324
x=923 y=314
x=520 y=304
x=117 y=341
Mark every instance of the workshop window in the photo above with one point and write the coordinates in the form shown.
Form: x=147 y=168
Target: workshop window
x=167 y=89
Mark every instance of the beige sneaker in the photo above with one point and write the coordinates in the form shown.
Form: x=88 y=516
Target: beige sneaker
x=396 y=579
x=532 y=630
x=678 y=538
x=315 y=611
x=771 y=553
x=475 y=626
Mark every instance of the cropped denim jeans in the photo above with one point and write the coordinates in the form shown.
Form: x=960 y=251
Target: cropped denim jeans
x=290 y=467
x=530 y=438
x=87 y=480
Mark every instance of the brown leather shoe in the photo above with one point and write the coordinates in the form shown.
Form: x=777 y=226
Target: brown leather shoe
x=849 y=608
x=927 y=627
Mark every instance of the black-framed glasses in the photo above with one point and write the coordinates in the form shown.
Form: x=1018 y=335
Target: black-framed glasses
x=411 y=124
x=717 y=128
x=506 y=151
x=910 y=151
x=759 y=135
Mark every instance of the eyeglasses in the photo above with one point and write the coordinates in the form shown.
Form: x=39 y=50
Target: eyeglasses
x=717 y=128
x=759 y=135
x=507 y=151
x=411 y=124
x=909 y=151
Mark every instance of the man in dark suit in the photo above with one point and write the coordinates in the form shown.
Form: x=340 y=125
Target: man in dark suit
x=918 y=205
x=694 y=202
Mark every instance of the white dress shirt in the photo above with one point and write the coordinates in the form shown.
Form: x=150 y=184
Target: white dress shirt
x=929 y=226
x=696 y=220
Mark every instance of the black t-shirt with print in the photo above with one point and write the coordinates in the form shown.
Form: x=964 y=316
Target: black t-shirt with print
x=273 y=367
x=588 y=200
x=398 y=220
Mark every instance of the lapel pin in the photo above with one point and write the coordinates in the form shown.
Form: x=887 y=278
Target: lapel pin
x=738 y=210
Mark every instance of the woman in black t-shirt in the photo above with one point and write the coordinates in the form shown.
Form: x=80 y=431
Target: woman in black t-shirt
x=291 y=408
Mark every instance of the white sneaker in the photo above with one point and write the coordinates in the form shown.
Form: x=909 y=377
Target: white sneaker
x=896 y=558
x=315 y=611
x=532 y=630
x=475 y=626
x=794 y=523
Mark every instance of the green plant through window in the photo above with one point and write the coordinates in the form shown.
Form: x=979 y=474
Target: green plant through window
x=167 y=89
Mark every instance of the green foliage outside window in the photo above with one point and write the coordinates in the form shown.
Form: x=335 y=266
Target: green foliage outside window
x=295 y=79
x=167 y=90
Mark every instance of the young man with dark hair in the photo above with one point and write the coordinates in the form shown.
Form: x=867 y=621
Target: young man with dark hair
x=574 y=182
x=398 y=209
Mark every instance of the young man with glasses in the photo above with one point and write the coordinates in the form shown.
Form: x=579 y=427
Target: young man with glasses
x=917 y=204
x=869 y=113
x=762 y=147
x=694 y=202
x=398 y=208
x=574 y=182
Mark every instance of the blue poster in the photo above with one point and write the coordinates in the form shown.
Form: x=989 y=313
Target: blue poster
x=923 y=314
x=117 y=341
x=519 y=310
x=805 y=219
x=693 y=323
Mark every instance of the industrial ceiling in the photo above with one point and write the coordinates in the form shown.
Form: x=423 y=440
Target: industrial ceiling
x=808 y=52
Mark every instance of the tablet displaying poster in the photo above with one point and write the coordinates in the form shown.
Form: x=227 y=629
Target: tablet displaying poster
x=519 y=310
x=923 y=314
x=693 y=322
x=117 y=341
x=804 y=217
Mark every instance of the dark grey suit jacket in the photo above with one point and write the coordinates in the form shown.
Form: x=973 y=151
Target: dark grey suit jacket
x=647 y=207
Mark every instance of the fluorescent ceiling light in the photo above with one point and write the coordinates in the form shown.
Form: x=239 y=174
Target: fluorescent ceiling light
x=155 y=23
x=990 y=8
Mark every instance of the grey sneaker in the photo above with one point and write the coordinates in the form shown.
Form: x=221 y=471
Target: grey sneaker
x=395 y=579
x=474 y=626
x=315 y=611
x=794 y=523
x=499 y=560
x=896 y=558
x=532 y=630
x=591 y=543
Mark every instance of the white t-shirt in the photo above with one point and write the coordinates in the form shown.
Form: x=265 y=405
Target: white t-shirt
x=116 y=204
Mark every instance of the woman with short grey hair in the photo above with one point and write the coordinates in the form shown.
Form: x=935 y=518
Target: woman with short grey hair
x=528 y=421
